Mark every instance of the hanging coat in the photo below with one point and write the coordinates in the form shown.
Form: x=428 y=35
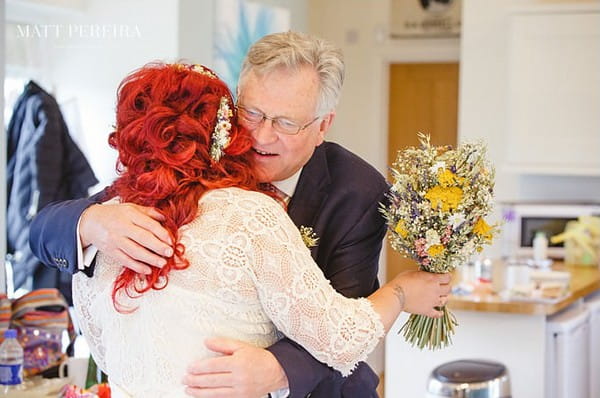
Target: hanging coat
x=44 y=165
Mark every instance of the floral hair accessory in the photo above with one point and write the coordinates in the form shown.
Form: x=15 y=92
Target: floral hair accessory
x=309 y=237
x=203 y=70
x=197 y=68
x=220 y=136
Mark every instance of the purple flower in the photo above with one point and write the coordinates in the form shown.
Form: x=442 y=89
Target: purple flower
x=508 y=214
x=415 y=213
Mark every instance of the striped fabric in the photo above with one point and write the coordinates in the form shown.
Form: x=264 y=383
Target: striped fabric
x=5 y=313
x=43 y=309
x=41 y=317
x=282 y=197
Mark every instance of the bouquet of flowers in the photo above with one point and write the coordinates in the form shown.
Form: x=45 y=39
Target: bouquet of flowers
x=436 y=212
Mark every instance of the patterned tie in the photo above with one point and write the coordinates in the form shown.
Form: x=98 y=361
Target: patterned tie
x=282 y=197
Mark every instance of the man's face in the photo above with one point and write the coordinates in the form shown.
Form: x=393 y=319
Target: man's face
x=291 y=95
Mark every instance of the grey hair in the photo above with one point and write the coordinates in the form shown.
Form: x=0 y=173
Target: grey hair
x=292 y=50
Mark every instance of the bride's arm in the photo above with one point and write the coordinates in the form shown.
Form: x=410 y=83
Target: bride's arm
x=301 y=302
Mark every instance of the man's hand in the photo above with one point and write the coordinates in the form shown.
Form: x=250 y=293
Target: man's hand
x=423 y=291
x=129 y=233
x=245 y=371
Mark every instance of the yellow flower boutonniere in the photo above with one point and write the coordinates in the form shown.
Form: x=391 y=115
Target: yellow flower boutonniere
x=309 y=237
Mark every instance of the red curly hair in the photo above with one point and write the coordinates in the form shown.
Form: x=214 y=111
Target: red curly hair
x=166 y=114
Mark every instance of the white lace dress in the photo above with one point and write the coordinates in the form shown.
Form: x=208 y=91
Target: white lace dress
x=250 y=278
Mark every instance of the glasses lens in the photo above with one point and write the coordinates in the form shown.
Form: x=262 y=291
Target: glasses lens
x=249 y=116
x=286 y=126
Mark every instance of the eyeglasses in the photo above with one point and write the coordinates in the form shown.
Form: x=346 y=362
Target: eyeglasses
x=252 y=118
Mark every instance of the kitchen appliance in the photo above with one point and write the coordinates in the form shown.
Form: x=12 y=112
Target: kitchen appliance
x=568 y=355
x=522 y=220
x=469 y=378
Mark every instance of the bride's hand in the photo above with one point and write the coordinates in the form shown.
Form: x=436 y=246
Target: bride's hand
x=423 y=291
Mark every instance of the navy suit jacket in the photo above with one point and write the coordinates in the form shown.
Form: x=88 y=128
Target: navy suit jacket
x=338 y=195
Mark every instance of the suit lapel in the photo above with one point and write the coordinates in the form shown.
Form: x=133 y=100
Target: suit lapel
x=311 y=191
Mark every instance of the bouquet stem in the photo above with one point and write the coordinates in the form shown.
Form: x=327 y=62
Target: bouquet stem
x=432 y=333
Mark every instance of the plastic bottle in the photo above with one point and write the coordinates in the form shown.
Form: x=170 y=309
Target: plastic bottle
x=540 y=247
x=11 y=363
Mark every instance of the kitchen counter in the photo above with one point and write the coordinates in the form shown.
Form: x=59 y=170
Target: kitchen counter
x=584 y=281
x=514 y=333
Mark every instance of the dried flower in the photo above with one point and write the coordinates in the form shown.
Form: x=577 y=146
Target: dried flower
x=446 y=178
x=435 y=250
x=219 y=139
x=482 y=229
x=309 y=237
x=435 y=214
x=400 y=230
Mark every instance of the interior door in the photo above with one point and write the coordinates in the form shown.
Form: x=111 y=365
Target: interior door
x=423 y=97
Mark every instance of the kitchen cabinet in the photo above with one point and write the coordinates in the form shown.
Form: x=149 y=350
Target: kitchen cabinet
x=568 y=354
x=553 y=91
x=593 y=304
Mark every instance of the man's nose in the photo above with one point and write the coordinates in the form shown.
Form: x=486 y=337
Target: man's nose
x=265 y=133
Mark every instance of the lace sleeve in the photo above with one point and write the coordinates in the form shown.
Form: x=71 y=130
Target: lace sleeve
x=300 y=301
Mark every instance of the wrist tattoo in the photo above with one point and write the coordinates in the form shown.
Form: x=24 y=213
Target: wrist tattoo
x=400 y=295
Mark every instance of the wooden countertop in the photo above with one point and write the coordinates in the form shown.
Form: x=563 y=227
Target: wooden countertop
x=584 y=280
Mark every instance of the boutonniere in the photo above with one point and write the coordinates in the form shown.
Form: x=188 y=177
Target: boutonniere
x=309 y=237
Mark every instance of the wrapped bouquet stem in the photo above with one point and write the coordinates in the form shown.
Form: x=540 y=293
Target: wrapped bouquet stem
x=436 y=212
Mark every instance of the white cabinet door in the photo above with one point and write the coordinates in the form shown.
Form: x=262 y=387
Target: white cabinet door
x=554 y=92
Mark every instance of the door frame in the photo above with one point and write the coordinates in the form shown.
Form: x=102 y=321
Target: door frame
x=406 y=51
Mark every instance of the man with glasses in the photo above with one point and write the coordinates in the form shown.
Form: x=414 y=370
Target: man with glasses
x=253 y=118
x=288 y=89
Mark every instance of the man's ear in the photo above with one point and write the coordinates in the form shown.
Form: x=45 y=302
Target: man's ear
x=324 y=126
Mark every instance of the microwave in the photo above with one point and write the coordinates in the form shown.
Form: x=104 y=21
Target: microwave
x=523 y=220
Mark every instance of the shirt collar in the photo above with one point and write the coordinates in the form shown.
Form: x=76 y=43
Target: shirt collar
x=288 y=186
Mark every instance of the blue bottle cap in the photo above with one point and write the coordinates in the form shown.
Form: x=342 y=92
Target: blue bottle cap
x=10 y=334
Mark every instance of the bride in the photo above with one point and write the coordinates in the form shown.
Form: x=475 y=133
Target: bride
x=240 y=268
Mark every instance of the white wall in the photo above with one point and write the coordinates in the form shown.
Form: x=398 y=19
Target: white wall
x=195 y=31
x=361 y=29
x=86 y=70
x=298 y=10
